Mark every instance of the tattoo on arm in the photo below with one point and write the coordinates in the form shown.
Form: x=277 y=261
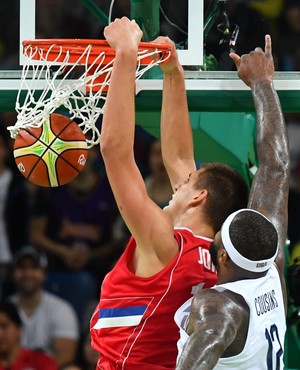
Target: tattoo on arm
x=270 y=186
x=215 y=320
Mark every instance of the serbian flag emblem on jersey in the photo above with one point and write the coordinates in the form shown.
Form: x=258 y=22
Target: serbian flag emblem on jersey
x=121 y=312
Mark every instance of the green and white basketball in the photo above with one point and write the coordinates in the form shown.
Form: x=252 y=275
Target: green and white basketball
x=53 y=154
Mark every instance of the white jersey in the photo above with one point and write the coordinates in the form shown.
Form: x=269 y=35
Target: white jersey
x=181 y=318
x=53 y=318
x=264 y=345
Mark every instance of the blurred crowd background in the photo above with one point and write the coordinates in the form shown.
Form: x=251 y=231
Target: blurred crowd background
x=77 y=227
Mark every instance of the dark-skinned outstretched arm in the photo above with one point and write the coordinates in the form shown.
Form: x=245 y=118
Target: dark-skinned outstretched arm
x=214 y=322
x=269 y=191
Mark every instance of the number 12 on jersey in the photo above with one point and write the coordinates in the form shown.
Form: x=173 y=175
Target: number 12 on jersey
x=274 y=342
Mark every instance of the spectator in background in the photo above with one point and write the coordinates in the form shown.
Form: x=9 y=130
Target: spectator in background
x=71 y=366
x=90 y=355
x=88 y=358
x=72 y=223
x=12 y=355
x=14 y=207
x=50 y=323
x=288 y=48
x=293 y=130
x=269 y=10
x=157 y=182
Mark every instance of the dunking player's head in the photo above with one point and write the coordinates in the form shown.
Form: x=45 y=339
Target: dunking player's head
x=249 y=239
x=227 y=192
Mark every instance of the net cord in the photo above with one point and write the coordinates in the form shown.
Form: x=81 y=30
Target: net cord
x=83 y=96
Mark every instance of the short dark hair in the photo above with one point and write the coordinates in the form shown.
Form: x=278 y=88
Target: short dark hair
x=253 y=236
x=37 y=257
x=10 y=310
x=227 y=190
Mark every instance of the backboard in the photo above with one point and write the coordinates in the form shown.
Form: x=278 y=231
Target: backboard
x=207 y=91
x=192 y=55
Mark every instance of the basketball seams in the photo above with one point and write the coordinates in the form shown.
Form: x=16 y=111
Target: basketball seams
x=38 y=138
x=33 y=168
x=69 y=163
x=57 y=136
x=59 y=155
x=40 y=157
x=64 y=128
x=53 y=158
x=66 y=125
x=32 y=134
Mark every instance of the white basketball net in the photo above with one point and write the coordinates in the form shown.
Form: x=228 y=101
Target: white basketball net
x=49 y=89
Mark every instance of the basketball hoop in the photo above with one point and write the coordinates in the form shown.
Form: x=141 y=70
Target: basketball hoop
x=76 y=75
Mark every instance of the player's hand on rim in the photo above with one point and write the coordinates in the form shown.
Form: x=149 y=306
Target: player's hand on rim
x=173 y=63
x=123 y=34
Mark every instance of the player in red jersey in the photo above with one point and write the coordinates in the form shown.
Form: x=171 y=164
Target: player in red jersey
x=12 y=355
x=167 y=259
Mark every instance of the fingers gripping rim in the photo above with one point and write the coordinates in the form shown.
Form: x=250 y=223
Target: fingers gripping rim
x=76 y=47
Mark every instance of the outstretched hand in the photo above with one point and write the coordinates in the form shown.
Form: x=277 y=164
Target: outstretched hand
x=123 y=34
x=256 y=66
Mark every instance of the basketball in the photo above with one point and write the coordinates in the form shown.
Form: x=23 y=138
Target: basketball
x=53 y=154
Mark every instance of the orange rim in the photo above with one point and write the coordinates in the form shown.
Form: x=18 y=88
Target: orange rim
x=57 y=49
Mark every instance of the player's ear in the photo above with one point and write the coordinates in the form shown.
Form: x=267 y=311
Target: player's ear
x=199 y=197
x=224 y=256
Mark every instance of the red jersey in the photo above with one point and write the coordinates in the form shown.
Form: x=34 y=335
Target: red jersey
x=32 y=360
x=133 y=325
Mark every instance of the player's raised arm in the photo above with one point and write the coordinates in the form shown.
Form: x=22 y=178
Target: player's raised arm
x=269 y=191
x=150 y=226
x=176 y=132
x=222 y=322
x=214 y=323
